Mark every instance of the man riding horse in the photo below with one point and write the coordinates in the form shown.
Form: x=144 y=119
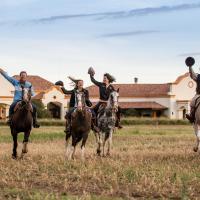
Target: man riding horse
x=196 y=78
x=18 y=84
x=78 y=87
x=105 y=88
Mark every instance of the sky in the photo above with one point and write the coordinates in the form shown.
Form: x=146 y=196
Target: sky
x=148 y=39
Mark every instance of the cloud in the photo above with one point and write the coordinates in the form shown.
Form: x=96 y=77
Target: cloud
x=189 y=54
x=122 y=14
x=132 y=33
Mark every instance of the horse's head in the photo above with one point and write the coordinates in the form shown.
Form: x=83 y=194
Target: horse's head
x=26 y=94
x=113 y=100
x=80 y=98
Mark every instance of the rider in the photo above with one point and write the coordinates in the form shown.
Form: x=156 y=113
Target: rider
x=78 y=87
x=105 y=88
x=196 y=78
x=18 y=94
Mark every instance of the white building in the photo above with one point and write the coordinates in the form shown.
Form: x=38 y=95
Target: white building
x=169 y=99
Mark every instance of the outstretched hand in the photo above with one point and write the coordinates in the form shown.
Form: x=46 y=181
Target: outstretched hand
x=1 y=70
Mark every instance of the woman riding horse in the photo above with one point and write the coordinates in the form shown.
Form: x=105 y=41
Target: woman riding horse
x=78 y=87
x=105 y=89
x=18 y=84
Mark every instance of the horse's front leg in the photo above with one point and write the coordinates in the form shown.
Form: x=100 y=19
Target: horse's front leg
x=73 y=147
x=67 y=138
x=106 y=136
x=109 y=142
x=25 y=143
x=197 y=133
x=15 y=144
x=83 y=146
x=99 y=143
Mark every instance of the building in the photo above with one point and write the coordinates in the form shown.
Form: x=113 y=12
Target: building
x=51 y=96
x=169 y=99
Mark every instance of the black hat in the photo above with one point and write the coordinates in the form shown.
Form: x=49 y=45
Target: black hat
x=74 y=80
x=110 y=77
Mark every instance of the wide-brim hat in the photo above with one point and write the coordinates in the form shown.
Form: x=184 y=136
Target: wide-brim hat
x=74 y=80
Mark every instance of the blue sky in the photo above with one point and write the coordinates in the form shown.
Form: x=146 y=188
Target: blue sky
x=147 y=39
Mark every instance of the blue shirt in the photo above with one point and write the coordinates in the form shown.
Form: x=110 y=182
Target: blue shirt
x=18 y=88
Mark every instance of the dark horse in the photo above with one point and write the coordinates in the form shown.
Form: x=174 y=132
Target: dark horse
x=80 y=126
x=22 y=121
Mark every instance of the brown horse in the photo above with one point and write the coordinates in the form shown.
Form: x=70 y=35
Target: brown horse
x=80 y=126
x=22 y=121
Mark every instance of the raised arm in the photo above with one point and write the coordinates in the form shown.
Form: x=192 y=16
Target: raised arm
x=10 y=79
x=97 y=83
x=193 y=75
x=66 y=91
x=91 y=72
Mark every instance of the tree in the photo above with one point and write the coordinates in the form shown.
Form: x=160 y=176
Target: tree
x=41 y=111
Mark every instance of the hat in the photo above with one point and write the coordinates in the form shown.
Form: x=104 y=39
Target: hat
x=74 y=80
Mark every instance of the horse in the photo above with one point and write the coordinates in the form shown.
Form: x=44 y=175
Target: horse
x=106 y=120
x=80 y=127
x=22 y=121
x=196 y=125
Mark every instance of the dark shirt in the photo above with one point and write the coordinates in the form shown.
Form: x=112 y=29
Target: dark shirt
x=103 y=91
x=73 y=97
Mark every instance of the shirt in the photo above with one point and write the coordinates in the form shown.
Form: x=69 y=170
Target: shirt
x=73 y=102
x=103 y=90
x=17 y=86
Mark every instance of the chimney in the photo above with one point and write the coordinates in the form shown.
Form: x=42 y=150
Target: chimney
x=136 y=80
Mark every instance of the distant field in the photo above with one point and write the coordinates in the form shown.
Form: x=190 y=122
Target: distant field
x=147 y=162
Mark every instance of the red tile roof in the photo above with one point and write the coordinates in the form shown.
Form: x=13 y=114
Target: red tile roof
x=136 y=90
x=39 y=96
x=142 y=105
x=39 y=83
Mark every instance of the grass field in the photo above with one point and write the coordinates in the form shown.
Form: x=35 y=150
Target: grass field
x=147 y=162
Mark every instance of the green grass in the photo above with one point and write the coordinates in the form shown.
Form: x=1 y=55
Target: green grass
x=147 y=162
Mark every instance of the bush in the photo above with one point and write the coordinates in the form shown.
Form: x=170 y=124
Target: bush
x=41 y=111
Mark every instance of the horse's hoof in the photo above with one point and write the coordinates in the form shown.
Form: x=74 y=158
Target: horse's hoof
x=108 y=155
x=195 y=149
x=98 y=152
x=23 y=151
x=14 y=157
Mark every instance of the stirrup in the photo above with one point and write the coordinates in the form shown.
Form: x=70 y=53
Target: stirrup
x=36 y=125
x=191 y=119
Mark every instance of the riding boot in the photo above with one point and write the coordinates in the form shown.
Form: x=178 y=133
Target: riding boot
x=67 y=125
x=191 y=116
x=35 y=122
x=94 y=126
x=9 y=120
x=118 y=124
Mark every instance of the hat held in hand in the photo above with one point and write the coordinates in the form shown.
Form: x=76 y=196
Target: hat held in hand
x=59 y=83
x=91 y=71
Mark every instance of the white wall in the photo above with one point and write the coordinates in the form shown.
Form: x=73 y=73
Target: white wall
x=182 y=90
x=60 y=97
x=7 y=88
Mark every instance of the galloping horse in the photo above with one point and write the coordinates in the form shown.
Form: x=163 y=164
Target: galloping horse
x=22 y=121
x=106 y=120
x=80 y=126
x=196 y=126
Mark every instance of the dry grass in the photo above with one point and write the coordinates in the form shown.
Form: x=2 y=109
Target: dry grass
x=147 y=162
